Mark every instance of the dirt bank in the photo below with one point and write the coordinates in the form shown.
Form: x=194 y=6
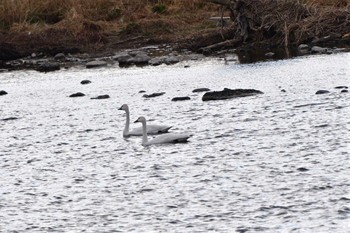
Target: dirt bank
x=265 y=23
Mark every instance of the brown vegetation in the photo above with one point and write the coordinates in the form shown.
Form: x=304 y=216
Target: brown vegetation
x=71 y=25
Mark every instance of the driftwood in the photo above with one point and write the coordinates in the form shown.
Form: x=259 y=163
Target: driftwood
x=214 y=47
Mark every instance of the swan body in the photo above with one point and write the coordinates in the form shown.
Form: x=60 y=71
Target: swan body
x=161 y=139
x=151 y=129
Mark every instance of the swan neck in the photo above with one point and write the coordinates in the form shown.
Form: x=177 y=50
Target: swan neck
x=127 y=123
x=144 y=133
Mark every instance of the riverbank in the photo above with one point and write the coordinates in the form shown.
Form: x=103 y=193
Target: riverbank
x=97 y=29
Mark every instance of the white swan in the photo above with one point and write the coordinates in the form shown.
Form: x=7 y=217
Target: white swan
x=166 y=138
x=151 y=129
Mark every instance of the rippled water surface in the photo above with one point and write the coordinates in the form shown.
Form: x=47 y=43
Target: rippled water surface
x=277 y=162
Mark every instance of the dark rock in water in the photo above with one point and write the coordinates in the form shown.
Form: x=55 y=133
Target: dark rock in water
x=8 y=52
x=78 y=94
x=302 y=169
x=48 y=67
x=201 y=89
x=344 y=91
x=84 y=82
x=3 y=93
x=186 y=66
x=101 y=97
x=180 y=98
x=283 y=90
x=319 y=92
x=341 y=87
x=229 y=94
x=94 y=64
x=142 y=91
x=153 y=95
x=9 y=119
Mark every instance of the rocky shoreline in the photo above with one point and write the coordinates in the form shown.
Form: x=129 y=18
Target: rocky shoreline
x=155 y=55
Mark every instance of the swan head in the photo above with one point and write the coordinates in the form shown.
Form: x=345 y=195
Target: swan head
x=124 y=107
x=140 y=119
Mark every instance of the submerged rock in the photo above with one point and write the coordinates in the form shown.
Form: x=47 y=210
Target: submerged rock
x=2 y=92
x=320 y=92
x=48 y=67
x=229 y=94
x=84 y=82
x=153 y=95
x=201 y=89
x=101 y=97
x=180 y=98
x=95 y=64
x=78 y=94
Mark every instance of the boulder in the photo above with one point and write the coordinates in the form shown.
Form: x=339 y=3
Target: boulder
x=60 y=57
x=231 y=58
x=95 y=64
x=122 y=58
x=140 y=59
x=48 y=67
x=2 y=92
x=78 y=94
x=320 y=92
x=84 y=82
x=303 y=47
x=229 y=94
x=153 y=95
x=201 y=89
x=344 y=91
x=171 y=60
x=317 y=49
x=180 y=98
x=155 y=61
x=101 y=97
x=142 y=91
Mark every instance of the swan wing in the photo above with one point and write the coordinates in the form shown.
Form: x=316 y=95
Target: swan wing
x=169 y=138
x=157 y=129
x=151 y=129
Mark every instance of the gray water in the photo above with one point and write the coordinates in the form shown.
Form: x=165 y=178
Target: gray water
x=277 y=162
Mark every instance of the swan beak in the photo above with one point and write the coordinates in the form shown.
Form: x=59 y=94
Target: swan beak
x=120 y=108
x=136 y=121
